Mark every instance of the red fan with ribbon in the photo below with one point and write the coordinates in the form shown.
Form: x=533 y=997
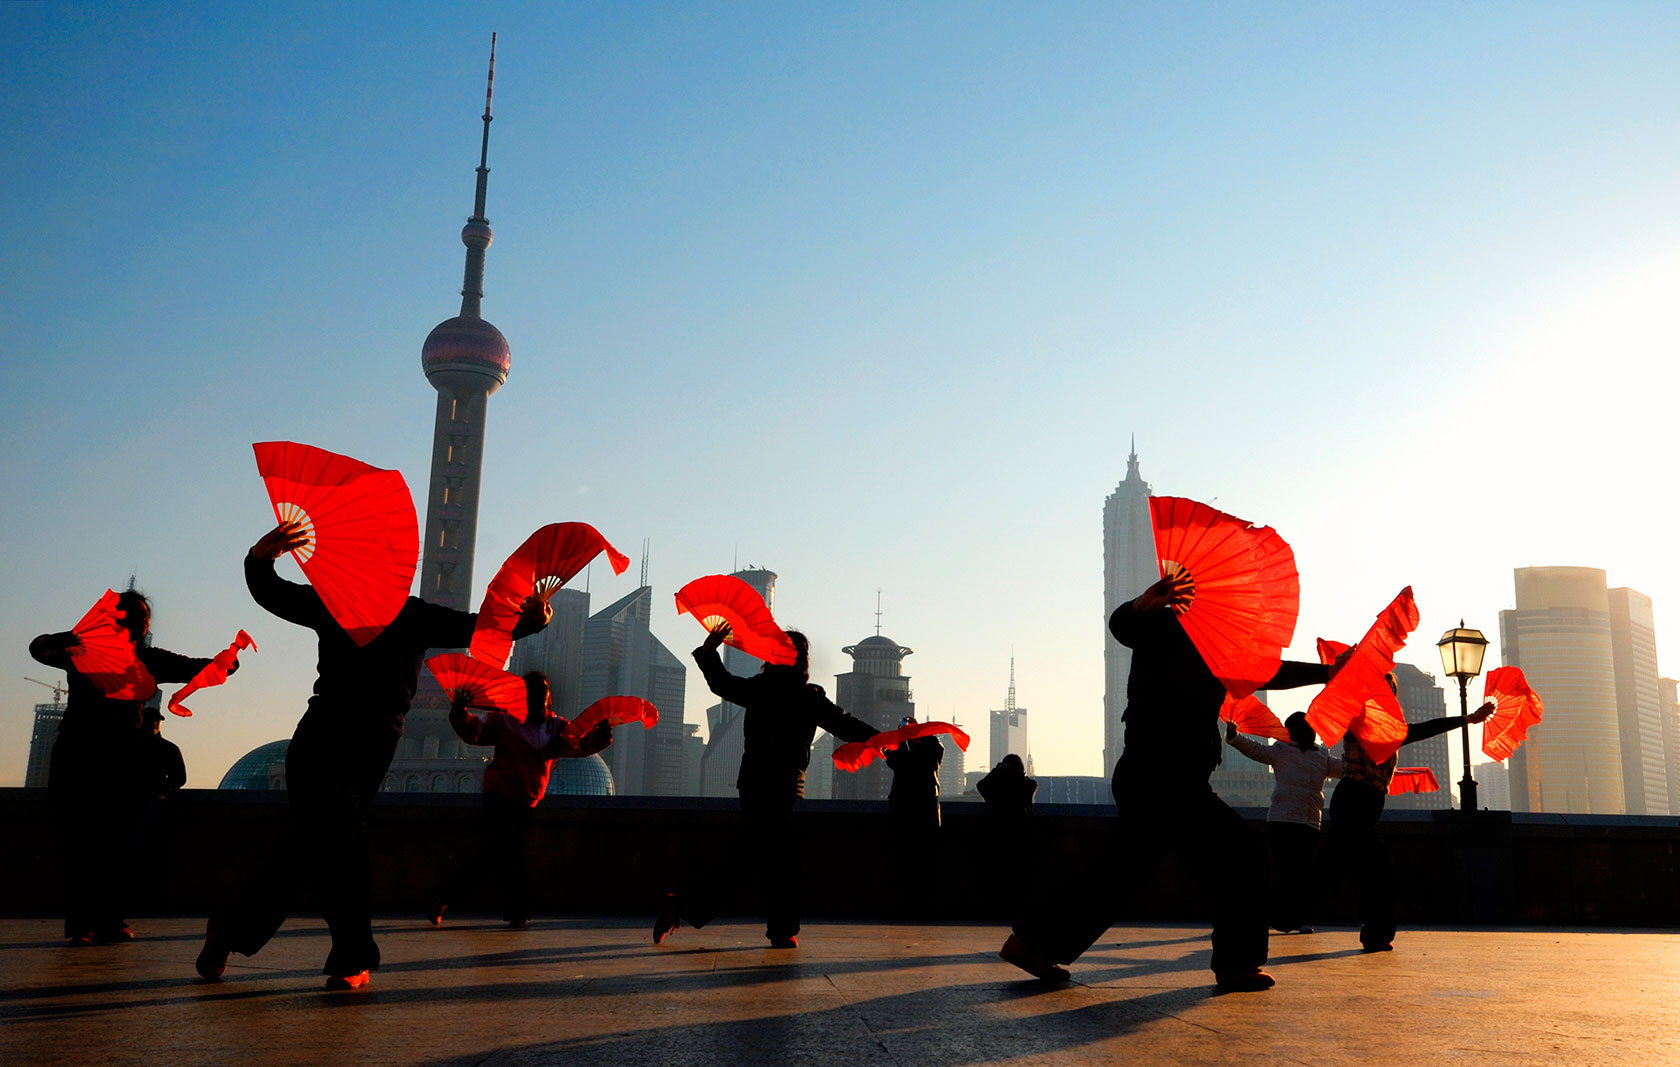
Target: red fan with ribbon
x=1357 y=699
x=214 y=673
x=725 y=598
x=364 y=538
x=1242 y=590
x=1252 y=717
x=546 y=561
x=1516 y=707
x=859 y=754
x=1412 y=780
x=483 y=685
x=616 y=710
x=106 y=655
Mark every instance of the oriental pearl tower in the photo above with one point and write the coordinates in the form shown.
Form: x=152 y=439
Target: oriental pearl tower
x=466 y=359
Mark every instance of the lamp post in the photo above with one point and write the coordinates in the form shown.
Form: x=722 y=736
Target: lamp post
x=1461 y=658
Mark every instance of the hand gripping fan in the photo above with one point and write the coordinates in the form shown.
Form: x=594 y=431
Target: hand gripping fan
x=1412 y=780
x=1358 y=698
x=484 y=686
x=725 y=598
x=364 y=538
x=546 y=561
x=859 y=754
x=214 y=673
x=1250 y=716
x=616 y=710
x=1244 y=593
x=1516 y=708
x=106 y=654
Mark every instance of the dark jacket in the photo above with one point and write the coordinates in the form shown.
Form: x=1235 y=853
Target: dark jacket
x=914 y=794
x=782 y=710
x=1008 y=793
x=1173 y=700
x=361 y=689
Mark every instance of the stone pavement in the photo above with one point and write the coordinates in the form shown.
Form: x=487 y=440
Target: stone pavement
x=587 y=991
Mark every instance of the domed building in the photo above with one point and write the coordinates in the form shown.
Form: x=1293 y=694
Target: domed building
x=877 y=691
x=264 y=767
x=586 y=777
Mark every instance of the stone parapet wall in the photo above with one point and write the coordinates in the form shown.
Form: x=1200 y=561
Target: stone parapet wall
x=611 y=855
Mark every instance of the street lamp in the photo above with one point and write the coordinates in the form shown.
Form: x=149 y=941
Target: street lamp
x=1461 y=658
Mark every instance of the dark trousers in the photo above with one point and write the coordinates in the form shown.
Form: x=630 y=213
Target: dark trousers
x=95 y=813
x=330 y=783
x=1293 y=846
x=501 y=849
x=1156 y=818
x=1354 y=849
x=766 y=845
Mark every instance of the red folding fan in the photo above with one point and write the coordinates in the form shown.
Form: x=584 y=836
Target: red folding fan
x=724 y=598
x=483 y=685
x=364 y=538
x=105 y=654
x=859 y=754
x=616 y=710
x=1516 y=708
x=1243 y=590
x=1357 y=699
x=546 y=561
x=214 y=673
x=1252 y=717
x=1412 y=780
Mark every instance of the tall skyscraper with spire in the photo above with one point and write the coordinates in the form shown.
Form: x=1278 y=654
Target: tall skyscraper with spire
x=1128 y=568
x=1009 y=728
x=466 y=359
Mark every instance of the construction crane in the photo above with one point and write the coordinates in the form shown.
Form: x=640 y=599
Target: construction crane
x=57 y=688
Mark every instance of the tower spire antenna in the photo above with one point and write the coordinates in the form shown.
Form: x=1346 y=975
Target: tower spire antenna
x=1009 y=702
x=877 y=612
x=477 y=236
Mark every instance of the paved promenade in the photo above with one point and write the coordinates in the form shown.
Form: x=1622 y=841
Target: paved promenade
x=596 y=992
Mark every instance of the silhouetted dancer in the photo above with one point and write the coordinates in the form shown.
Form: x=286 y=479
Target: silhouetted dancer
x=782 y=709
x=514 y=783
x=337 y=758
x=1165 y=805
x=1007 y=790
x=1299 y=769
x=1353 y=847
x=1011 y=852
x=913 y=812
x=98 y=778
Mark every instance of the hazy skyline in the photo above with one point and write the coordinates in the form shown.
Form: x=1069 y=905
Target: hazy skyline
x=870 y=296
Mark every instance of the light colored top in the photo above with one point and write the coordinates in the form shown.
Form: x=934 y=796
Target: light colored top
x=1298 y=795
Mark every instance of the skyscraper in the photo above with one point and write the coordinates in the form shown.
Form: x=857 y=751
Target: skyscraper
x=558 y=651
x=621 y=657
x=721 y=762
x=1633 y=646
x=1009 y=727
x=1559 y=634
x=877 y=691
x=41 y=739
x=1129 y=566
x=1493 y=786
x=953 y=768
x=1668 y=692
x=1420 y=699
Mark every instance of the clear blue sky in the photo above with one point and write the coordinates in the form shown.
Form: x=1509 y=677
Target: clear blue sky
x=872 y=296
